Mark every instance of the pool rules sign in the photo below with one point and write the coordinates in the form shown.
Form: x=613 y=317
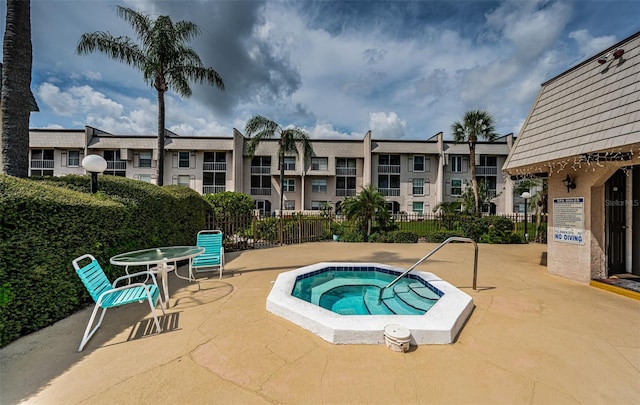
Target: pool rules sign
x=568 y=220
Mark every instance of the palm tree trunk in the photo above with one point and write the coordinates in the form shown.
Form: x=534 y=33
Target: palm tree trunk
x=16 y=89
x=474 y=181
x=160 y=180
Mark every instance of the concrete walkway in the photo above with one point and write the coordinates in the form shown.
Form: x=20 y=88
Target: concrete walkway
x=533 y=338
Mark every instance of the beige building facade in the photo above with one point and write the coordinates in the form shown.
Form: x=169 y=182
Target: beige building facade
x=414 y=176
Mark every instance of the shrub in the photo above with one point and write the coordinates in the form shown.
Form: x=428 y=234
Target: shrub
x=44 y=224
x=441 y=236
x=488 y=229
x=402 y=237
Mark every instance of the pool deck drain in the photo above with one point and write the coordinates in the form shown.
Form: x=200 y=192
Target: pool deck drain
x=439 y=325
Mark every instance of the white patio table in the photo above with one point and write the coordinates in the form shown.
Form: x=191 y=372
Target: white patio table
x=160 y=257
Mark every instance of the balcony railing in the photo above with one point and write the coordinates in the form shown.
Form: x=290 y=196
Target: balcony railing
x=388 y=168
x=486 y=171
x=345 y=171
x=345 y=192
x=389 y=192
x=260 y=169
x=213 y=189
x=260 y=191
x=119 y=165
x=42 y=164
x=214 y=166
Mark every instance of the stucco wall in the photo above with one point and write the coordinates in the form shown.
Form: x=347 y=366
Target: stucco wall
x=566 y=259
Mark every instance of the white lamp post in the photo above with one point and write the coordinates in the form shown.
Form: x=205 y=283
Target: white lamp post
x=526 y=195
x=94 y=164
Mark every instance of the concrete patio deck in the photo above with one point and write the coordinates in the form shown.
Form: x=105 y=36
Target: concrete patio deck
x=533 y=338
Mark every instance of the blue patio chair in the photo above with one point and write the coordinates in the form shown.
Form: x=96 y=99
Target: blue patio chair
x=107 y=295
x=213 y=256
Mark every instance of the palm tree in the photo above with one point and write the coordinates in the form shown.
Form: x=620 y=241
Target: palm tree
x=17 y=100
x=260 y=128
x=162 y=55
x=367 y=205
x=476 y=125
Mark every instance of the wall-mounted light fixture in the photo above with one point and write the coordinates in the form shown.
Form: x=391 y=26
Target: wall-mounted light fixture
x=569 y=183
x=617 y=54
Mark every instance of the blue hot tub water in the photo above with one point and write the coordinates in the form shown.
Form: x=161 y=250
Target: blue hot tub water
x=356 y=291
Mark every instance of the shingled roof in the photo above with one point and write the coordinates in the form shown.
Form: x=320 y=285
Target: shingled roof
x=592 y=107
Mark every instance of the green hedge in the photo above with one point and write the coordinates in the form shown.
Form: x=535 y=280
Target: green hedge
x=46 y=223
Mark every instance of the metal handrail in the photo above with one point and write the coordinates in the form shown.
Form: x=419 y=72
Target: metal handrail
x=451 y=239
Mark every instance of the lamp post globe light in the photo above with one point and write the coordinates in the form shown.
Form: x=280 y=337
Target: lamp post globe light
x=526 y=195
x=94 y=164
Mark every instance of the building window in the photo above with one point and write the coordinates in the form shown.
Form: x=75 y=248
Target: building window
x=345 y=177
x=264 y=206
x=115 y=165
x=389 y=164
x=213 y=182
x=418 y=186
x=290 y=205
x=418 y=163
x=73 y=158
x=320 y=163
x=389 y=184
x=145 y=159
x=183 y=160
x=456 y=187
x=345 y=186
x=289 y=185
x=260 y=185
x=456 y=164
x=145 y=177
x=184 y=180
x=261 y=164
x=345 y=167
x=289 y=163
x=42 y=162
x=418 y=207
x=317 y=205
x=319 y=186
x=489 y=161
x=214 y=161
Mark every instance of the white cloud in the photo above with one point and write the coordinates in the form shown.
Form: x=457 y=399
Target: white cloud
x=588 y=45
x=386 y=125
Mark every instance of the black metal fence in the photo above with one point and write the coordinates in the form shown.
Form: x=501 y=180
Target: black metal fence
x=255 y=232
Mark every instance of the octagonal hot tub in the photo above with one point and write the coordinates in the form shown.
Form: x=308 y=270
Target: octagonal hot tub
x=437 y=321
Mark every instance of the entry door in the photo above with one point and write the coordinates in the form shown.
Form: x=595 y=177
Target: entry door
x=616 y=222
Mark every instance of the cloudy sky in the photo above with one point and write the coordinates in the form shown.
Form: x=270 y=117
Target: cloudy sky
x=402 y=69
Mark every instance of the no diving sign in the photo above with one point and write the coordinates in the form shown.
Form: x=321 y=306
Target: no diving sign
x=568 y=220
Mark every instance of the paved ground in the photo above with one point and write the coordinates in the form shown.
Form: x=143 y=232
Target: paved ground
x=533 y=338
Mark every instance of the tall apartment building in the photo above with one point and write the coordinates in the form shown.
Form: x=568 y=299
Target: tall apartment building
x=413 y=175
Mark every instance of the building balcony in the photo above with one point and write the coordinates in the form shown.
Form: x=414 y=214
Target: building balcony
x=345 y=171
x=345 y=192
x=389 y=169
x=213 y=189
x=260 y=191
x=486 y=171
x=117 y=165
x=389 y=192
x=260 y=169
x=42 y=164
x=215 y=166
